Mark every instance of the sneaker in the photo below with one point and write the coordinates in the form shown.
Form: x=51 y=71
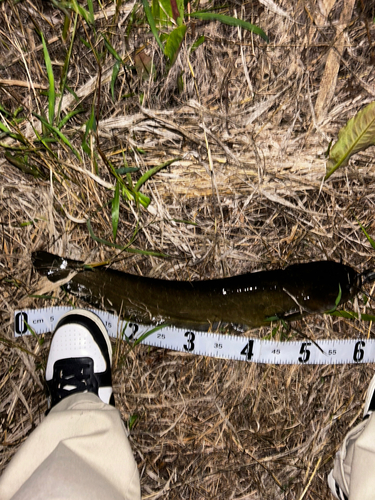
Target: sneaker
x=370 y=399
x=80 y=358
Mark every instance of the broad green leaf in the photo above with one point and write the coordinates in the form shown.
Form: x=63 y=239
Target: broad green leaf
x=173 y=44
x=232 y=21
x=151 y=22
x=153 y=171
x=357 y=135
x=155 y=11
x=51 y=82
x=115 y=210
x=197 y=43
x=162 y=12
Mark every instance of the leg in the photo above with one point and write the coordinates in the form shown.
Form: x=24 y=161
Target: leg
x=353 y=475
x=81 y=449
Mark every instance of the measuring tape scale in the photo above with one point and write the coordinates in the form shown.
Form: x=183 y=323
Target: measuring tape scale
x=240 y=348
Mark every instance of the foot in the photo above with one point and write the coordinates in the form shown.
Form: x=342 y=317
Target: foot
x=80 y=358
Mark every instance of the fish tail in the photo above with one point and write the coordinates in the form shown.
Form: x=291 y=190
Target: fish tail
x=54 y=267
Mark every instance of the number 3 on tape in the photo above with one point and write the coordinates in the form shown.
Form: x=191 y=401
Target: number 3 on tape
x=189 y=346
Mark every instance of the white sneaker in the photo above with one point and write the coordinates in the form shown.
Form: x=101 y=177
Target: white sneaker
x=80 y=358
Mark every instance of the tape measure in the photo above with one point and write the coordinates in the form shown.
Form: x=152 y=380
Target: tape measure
x=214 y=345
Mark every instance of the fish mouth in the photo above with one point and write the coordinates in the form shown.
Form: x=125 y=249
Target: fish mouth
x=54 y=267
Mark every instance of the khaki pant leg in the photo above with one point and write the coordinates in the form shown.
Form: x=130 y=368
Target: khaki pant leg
x=354 y=466
x=80 y=451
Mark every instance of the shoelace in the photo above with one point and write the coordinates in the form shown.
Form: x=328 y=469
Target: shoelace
x=72 y=375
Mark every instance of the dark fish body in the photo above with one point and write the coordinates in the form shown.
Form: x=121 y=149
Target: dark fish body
x=248 y=300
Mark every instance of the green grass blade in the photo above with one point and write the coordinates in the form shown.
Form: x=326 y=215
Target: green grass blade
x=337 y=302
x=66 y=27
x=126 y=170
x=151 y=22
x=91 y=9
x=153 y=171
x=370 y=240
x=68 y=116
x=6 y=131
x=59 y=134
x=352 y=315
x=148 y=333
x=231 y=21
x=125 y=248
x=64 y=72
x=90 y=127
x=62 y=6
x=115 y=210
x=87 y=16
x=110 y=49
x=197 y=43
x=51 y=82
x=115 y=72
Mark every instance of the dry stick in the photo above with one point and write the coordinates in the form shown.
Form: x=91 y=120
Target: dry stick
x=311 y=478
x=329 y=79
x=21 y=83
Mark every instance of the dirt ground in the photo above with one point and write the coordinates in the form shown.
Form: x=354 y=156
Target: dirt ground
x=247 y=124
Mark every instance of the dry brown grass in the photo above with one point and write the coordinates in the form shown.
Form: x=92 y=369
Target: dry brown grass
x=251 y=178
